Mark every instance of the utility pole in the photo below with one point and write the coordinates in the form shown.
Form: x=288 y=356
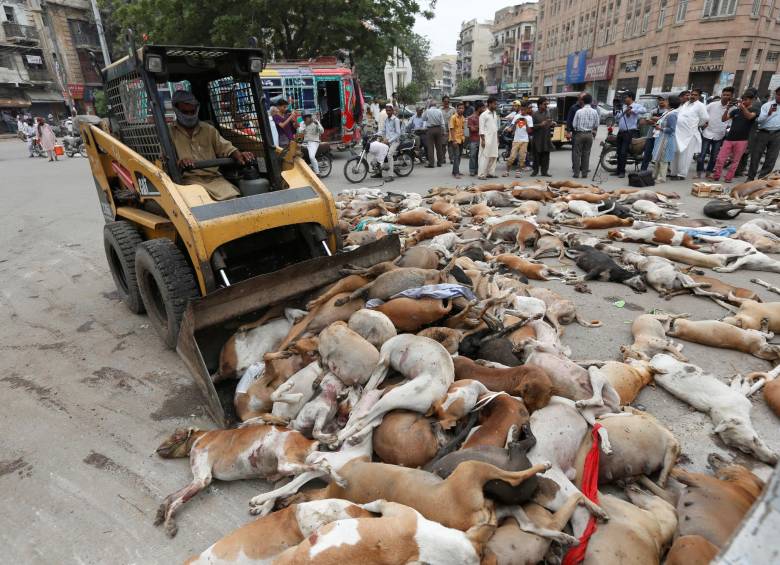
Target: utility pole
x=101 y=34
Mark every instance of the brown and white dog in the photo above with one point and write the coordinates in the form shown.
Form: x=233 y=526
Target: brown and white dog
x=265 y=538
x=535 y=270
x=530 y=383
x=752 y=315
x=658 y=235
x=691 y=550
x=400 y=535
x=250 y=452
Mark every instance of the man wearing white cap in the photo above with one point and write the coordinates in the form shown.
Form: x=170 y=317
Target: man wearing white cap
x=198 y=141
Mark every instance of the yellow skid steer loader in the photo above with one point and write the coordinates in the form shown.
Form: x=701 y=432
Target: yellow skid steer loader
x=197 y=266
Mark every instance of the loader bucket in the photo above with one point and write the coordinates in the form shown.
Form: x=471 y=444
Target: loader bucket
x=209 y=321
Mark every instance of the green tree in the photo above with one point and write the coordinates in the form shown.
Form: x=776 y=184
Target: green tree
x=295 y=29
x=101 y=104
x=469 y=86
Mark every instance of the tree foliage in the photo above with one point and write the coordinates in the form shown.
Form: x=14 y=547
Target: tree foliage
x=294 y=29
x=469 y=86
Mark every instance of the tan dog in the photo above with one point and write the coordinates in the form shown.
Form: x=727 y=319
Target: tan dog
x=587 y=197
x=533 y=194
x=400 y=535
x=628 y=379
x=449 y=338
x=480 y=212
x=687 y=256
x=445 y=208
x=373 y=326
x=713 y=507
x=691 y=550
x=428 y=232
x=752 y=315
x=347 y=354
x=501 y=415
x=419 y=256
x=512 y=546
x=522 y=232
x=771 y=388
x=455 y=502
x=267 y=537
x=251 y=452
x=598 y=223
x=725 y=289
x=406 y=438
x=640 y=446
x=637 y=531
x=417 y=217
x=649 y=339
x=560 y=311
x=530 y=383
x=725 y=336
x=535 y=270
x=410 y=314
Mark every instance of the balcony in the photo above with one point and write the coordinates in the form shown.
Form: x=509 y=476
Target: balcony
x=84 y=35
x=39 y=75
x=17 y=33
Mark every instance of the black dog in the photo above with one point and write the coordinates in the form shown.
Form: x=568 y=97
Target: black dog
x=722 y=209
x=610 y=206
x=600 y=266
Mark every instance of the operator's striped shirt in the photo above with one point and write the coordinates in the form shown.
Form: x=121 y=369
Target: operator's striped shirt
x=586 y=119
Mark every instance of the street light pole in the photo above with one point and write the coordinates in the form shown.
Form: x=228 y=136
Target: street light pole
x=101 y=34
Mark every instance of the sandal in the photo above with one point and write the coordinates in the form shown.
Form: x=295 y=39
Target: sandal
x=506 y=174
x=517 y=175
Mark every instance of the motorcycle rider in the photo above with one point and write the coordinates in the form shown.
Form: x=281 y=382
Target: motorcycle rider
x=417 y=126
x=29 y=135
x=391 y=137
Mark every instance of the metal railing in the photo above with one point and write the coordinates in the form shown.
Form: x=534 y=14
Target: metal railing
x=20 y=33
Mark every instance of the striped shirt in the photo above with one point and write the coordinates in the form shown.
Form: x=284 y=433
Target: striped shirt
x=586 y=119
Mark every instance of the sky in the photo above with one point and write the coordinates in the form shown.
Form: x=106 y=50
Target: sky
x=444 y=28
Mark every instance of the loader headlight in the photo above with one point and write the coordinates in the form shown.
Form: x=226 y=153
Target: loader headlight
x=154 y=63
x=255 y=64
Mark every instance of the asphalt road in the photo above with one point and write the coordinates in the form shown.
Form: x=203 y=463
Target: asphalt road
x=90 y=391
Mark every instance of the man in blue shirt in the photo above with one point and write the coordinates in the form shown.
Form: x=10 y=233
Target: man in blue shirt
x=767 y=138
x=627 y=121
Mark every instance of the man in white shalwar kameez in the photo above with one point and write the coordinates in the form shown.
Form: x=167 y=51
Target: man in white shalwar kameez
x=690 y=117
x=488 y=140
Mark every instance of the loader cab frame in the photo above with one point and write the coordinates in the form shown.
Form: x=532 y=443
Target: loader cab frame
x=226 y=83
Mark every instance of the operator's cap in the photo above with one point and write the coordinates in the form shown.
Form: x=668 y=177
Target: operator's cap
x=517 y=102
x=184 y=97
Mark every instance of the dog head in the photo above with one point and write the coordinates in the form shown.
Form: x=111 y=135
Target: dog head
x=178 y=444
x=615 y=234
x=636 y=283
x=738 y=433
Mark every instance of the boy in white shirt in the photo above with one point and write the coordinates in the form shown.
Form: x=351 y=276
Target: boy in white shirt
x=523 y=125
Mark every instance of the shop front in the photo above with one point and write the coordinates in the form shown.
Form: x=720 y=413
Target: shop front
x=705 y=76
x=45 y=102
x=598 y=73
x=13 y=101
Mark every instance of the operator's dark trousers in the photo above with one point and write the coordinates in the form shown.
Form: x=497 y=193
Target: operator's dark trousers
x=764 y=141
x=541 y=161
x=473 y=157
x=710 y=149
x=624 y=138
x=580 y=152
x=648 y=154
x=435 y=137
x=455 y=151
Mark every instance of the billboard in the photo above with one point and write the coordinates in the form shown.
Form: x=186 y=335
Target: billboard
x=600 y=68
x=575 y=67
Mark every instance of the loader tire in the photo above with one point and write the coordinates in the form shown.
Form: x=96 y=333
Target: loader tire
x=167 y=283
x=120 y=240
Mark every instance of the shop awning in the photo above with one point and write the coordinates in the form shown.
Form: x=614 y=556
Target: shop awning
x=38 y=96
x=13 y=98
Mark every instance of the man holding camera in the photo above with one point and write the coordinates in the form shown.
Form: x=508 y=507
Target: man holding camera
x=767 y=140
x=627 y=120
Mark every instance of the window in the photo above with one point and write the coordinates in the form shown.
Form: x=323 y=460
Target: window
x=714 y=56
x=653 y=61
x=738 y=81
x=756 y=10
x=6 y=61
x=772 y=56
x=682 y=9
x=672 y=58
x=719 y=8
x=668 y=82
x=661 y=14
x=649 y=85
x=752 y=78
x=9 y=14
x=743 y=54
x=759 y=53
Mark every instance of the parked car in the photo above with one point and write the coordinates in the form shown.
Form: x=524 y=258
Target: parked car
x=606 y=114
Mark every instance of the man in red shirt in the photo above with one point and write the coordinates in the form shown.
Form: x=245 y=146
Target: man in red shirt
x=473 y=126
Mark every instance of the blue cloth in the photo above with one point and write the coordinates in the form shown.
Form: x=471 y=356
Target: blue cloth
x=765 y=121
x=728 y=231
x=666 y=145
x=630 y=121
x=440 y=291
x=392 y=129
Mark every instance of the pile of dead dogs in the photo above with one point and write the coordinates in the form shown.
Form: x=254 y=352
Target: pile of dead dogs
x=435 y=400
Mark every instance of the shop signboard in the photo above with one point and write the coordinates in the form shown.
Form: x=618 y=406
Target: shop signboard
x=600 y=68
x=575 y=67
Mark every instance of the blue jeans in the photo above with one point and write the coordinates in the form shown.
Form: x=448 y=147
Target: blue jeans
x=473 y=157
x=709 y=147
x=648 y=154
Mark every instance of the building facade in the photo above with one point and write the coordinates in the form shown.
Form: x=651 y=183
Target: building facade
x=47 y=49
x=511 y=49
x=398 y=72
x=443 y=71
x=473 y=48
x=659 y=46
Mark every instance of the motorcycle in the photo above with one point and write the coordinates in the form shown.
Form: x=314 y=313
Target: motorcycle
x=356 y=168
x=73 y=144
x=37 y=150
x=324 y=160
x=608 y=157
x=505 y=140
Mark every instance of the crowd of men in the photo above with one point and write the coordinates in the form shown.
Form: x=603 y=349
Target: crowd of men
x=725 y=137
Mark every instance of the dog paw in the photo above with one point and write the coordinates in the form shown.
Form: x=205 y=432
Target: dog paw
x=171 y=529
x=566 y=539
x=261 y=509
x=160 y=516
x=341 y=481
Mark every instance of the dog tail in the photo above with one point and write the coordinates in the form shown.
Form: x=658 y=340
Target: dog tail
x=586 y=323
